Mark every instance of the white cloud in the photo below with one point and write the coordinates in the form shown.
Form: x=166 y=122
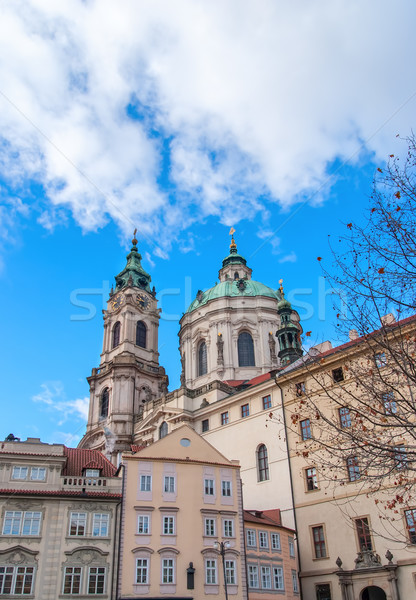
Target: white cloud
x=256 y=98
x=291 y=257
x=53 y=395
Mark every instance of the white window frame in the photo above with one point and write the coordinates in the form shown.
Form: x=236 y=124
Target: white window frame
x=253 y=577
x=169 y=484
x=266 y=577
x=230 y=572
x=251 y=537
x=144 y=570
x=95 y=579
x=70 y=572
x=8 y=570
x=210 y=527
x=275 y=541
x=278 y=578
x=228 y=528
x=263 y=535
x=209 y=484
x=211 y=571
x=19 y=520
x=226 y=488
x=295 y=583
x=145 y=483
x=38 y=474
x=168 y=523
x=92 y=473
x=79 y=519
x=143 y=523
x=291 y=543
x=168 y=570
x=102 y=522
x=17 y=472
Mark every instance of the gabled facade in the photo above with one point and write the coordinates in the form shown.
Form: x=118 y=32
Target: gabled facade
x=59 y=522
x=182 y=497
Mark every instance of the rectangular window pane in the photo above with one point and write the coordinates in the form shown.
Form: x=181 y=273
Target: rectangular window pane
x=263 y=539
x=145 y=483
x=228 y=528
x=311 y=479
x=72 y=580
x=226 y=488
x=295 y=581
x=96 y=580
x=300 y=388
x=278 y=578
x=211 y=572
x=31 y=523
x=410 y=516
x=305 y=429
x=251 y=537
x=210 y=527
x=253 y=576
x=168 y=525
x=209 y=487
x=245 y=410
x=291 y=547
x=12 y=522
x=224 y=418
x=230 y=572
x=363 y=534
x=19 y=473
x=100 y=525
x=78 y=524
x=205 y=425
x=169 y=484
x=266 y=580
x=275 y=541
x=143 y=524
x=323 y=591
x=267 y=402
x=142 y=570
x=344 y=417
x=338 y=375
x=6 y=579
x=319 y=541
x=353 y=468
x=168 y=570
x=38 y=474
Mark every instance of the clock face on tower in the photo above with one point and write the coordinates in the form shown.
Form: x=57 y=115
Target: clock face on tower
x=117 y=302
x=142 y=301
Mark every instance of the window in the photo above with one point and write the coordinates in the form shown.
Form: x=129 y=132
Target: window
x=262 y=463
x=96 y=580
x=275 y=538
x=410 y=516
x=168 y=570
x=143 y=523
x=305 y=429
x=245 y=350
x=77 y=523
x=267 y=402
x=92 y=472
x=323 y=591
x=400 y=457
x=263 y=539
x=344 y=417
x=168 y=525
x=205 y=425
x=209 y=527
x=100 y=525
x=230 y=572
x=72 y=580
x=202 y=359
x=163 y=430
x=251 y=537
x=363 y=534
x=319 y=541
x=38 y=474
x=228 y=528
x=291 y=547
x=210 y=571
x=226 y=488
x=253 y=576
x=141 y=331
x=224 y=418
x=278 y=578
x=338 y=375
x=209 y=487
x=17 y=522
x=311 y=479
x=245 y=410
x=116 y=334
x=142 y=570
x=145 y=483
x=380 y=359
x=389 y=403
x=169 y=484
x=19 y=473
x=353 y=468
x=300 y=388
x=104 y=401
x=266 y=580
x=16 y=580
x=295 y=581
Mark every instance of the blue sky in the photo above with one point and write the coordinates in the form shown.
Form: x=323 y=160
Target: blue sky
x=181 y=119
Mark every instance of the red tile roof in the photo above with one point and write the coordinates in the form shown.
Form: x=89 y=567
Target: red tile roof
x=266 y=517
x=136 y=448
x=79 y=459
x=38 y=492
x=259 y=379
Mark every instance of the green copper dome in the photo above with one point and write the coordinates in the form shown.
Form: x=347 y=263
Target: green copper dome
x=233 y=289
x=133 y=274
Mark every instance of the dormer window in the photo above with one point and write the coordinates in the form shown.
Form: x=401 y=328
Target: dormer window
x=92 y=472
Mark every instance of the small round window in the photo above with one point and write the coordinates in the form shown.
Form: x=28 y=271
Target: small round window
x=185 y=442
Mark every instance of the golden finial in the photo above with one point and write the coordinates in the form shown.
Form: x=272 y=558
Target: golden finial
x=233 y=245
x=134 y=240
x=281 y=286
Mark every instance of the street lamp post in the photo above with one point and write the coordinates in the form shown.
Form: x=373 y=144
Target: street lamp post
x=222 y=547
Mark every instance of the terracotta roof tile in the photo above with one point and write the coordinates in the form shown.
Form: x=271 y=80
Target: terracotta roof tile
x=103 y=494
x=79 y=459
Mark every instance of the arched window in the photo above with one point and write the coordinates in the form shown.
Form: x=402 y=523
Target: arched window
x=116 y=334
x=245 y=350
x=262 y=463
x=141 y=331
x=236 y=275
x=202 y=359
x=163 y=430
x=104 y=403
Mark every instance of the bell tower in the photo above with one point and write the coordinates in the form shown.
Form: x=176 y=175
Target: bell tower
x=129 y=374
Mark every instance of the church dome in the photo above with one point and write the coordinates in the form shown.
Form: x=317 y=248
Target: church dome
x=233 y=288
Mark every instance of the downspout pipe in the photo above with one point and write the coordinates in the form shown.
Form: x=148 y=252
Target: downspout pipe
x=291 y=487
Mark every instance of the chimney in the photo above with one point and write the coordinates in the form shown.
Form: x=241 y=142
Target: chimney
x=353 y=334
x=388 y=319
